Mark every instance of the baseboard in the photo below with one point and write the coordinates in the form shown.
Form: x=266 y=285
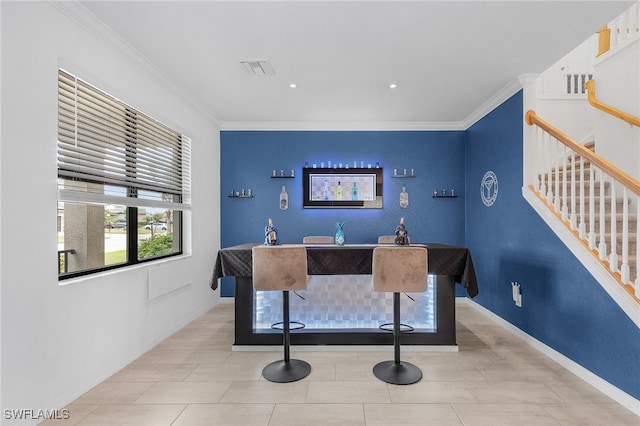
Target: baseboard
x=621 y=397
x=344 y=348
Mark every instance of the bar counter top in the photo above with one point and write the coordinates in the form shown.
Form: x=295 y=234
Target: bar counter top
x=352 y=259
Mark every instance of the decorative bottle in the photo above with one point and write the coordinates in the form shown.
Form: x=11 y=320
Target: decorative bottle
x=325 y=191
x=271 y=234
x=339 y=191
x=404 y=198
x=402 y=236
x=354 y=192
x=339 y=233
x=284 y=199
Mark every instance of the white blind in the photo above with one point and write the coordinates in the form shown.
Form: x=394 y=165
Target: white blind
x=102 y=140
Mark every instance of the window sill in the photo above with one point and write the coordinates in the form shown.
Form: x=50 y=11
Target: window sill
x=124 y=269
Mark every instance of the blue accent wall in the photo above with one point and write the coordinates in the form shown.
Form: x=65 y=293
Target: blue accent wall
x=563 y=306
x=248 y=158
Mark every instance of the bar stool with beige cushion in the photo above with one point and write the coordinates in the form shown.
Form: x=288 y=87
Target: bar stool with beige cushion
x=387 y=239
x=399 y=269
x=318 y=239
x=282 y=268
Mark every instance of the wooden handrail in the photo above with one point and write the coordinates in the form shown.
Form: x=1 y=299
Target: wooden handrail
x=591 y=96
x=629 y=182
x=604 y=40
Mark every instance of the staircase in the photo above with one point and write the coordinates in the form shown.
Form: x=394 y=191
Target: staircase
x=578 y=217
x=591 y=205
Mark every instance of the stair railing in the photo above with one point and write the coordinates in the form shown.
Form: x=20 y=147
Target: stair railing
x=619 y=30
x=582 y=188
x=591 y=96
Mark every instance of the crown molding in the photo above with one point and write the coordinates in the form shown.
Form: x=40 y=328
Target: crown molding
x=86 y=20
x=75 y=11
x=345 y=126
x=492 y=103
x=496 y=100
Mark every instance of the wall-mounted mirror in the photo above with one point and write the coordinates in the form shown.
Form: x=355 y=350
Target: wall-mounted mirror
x=342 y=188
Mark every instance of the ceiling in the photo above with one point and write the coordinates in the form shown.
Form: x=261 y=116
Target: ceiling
x=448 y=58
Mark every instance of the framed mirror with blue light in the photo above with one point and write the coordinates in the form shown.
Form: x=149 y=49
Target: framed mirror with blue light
x=342 y=188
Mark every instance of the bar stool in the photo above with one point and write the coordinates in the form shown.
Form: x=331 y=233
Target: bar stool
x=317 y=239
x=282 y=268
x=387 y=239
x=399 y=269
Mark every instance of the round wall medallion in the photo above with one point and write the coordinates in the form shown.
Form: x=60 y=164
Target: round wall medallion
x=489 y=188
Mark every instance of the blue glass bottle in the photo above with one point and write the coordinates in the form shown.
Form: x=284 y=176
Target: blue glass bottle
x=340 y=239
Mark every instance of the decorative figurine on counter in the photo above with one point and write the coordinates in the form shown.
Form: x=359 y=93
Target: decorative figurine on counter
x=402 y=236
x=271 y=235
x=339 y=233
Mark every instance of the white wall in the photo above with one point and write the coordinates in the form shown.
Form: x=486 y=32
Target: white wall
x=58 y=341
x=618 y=85
x=569 y=112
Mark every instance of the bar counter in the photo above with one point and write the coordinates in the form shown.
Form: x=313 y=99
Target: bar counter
x=339 y=307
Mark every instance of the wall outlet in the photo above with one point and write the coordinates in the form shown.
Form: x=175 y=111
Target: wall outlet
x=516 y=293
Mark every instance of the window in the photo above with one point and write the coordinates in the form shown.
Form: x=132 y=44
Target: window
x=123 y=182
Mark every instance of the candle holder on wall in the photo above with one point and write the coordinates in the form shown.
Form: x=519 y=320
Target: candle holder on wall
x=444 y=194
x=275 y=174
x=248 y=193
x=406 y=173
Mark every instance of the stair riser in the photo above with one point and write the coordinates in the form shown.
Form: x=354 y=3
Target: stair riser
x=576 y=176
x=607 y=206
x=632 y=249
x=607 y=227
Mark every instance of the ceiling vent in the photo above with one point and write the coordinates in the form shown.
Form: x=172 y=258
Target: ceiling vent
x=258 y=67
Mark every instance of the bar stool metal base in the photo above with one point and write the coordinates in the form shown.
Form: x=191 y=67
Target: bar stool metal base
x=282 y=371
x=403 y=373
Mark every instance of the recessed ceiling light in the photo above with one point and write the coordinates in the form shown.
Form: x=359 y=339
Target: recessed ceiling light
x=292 y=85
x=393 y=85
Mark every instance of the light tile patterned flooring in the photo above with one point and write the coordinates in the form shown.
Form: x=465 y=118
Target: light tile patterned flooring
x=194 y=378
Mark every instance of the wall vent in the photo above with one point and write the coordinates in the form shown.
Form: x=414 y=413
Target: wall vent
x=258 y=67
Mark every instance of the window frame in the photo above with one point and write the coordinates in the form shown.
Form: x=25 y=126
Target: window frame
x=175 y=184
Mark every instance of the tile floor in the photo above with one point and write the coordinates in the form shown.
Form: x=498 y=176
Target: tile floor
x=193 y=378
